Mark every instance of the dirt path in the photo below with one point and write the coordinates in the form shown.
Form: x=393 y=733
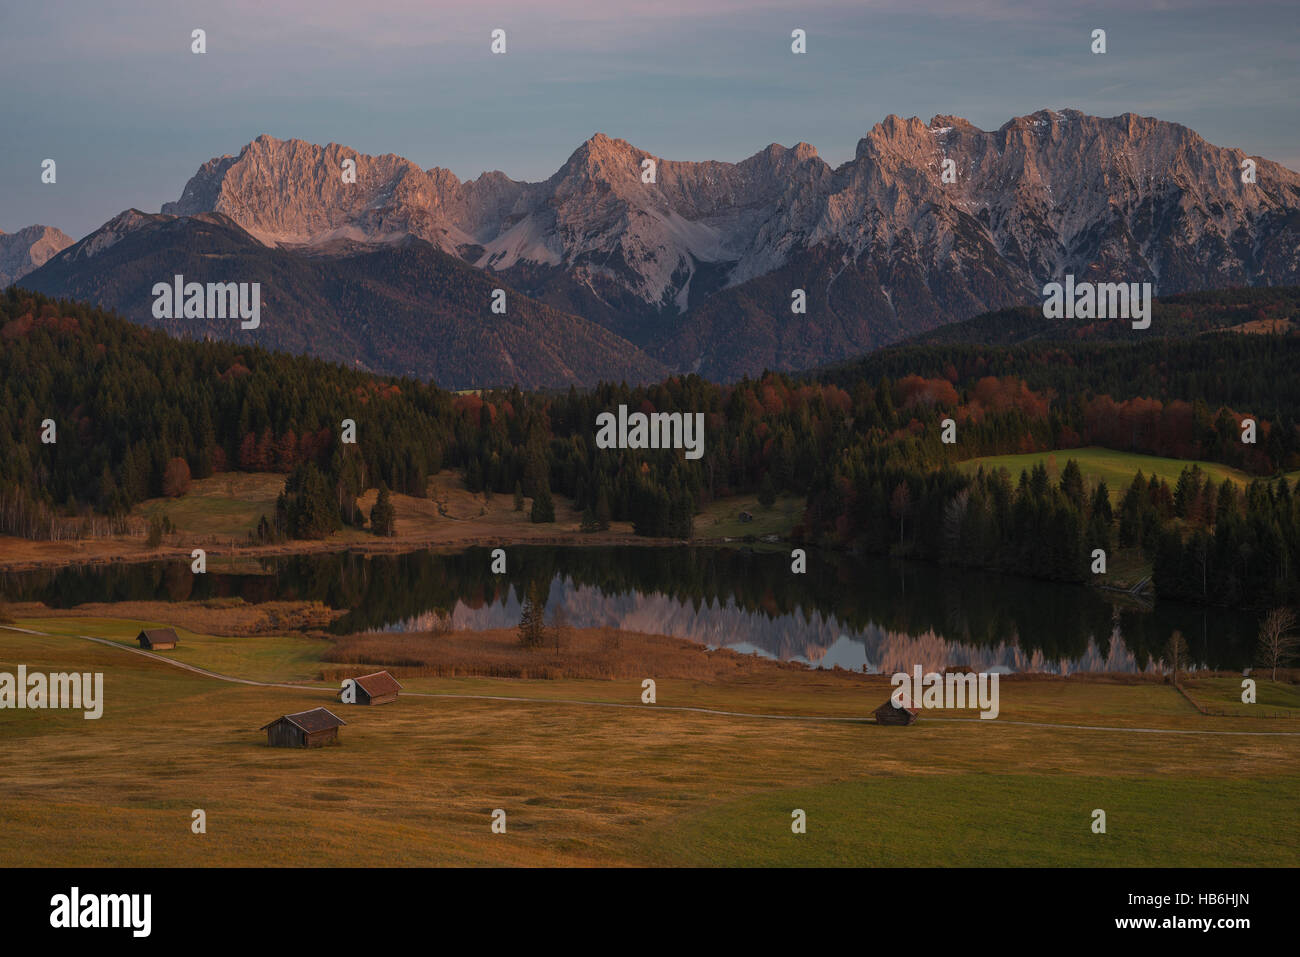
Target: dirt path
x=644 y=707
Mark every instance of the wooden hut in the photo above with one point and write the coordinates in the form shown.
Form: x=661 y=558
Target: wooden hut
x=157 y=639
x=378 y=688
x=306 y=729
x=891 y=713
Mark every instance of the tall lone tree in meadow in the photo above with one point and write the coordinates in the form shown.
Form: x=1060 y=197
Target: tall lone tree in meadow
x=1177 y=653
x=532 y=623
x=1277 y=643
x=559 y=630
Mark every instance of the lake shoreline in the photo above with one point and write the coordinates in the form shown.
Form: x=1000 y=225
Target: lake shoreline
x=295 y=621
x=68 y=556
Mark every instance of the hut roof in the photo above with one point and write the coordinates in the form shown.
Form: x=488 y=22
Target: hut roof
x=317 y=719
x=904 y=703
x=378 y=684
x=159 y=634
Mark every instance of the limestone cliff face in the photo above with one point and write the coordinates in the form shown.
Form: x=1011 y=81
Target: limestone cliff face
x=27 y=249
x=698 y=265
x=1043 y=193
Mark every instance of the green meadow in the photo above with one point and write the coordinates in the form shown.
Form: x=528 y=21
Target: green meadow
x=228 y=504
x=1116 y=469
x=415 y=783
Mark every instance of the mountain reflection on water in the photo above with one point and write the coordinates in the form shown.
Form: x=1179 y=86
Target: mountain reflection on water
x=845 y=611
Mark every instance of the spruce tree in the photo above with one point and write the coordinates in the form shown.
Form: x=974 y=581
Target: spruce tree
x=532 y=623
x=603 y=514
x=383 y=517
x=543 y=507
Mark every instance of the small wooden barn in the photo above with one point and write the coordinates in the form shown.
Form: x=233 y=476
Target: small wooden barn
x=157 y=639
x=306 y=729
x=890 y=713
x=378 y=688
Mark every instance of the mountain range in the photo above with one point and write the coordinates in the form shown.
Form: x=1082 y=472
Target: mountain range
x=624 y=264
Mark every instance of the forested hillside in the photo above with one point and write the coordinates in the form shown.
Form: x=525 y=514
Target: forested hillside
x=128 y=403
x=1180 y=316
x=404 y=308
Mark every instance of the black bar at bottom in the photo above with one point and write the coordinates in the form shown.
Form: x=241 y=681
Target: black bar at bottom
x=668 y=909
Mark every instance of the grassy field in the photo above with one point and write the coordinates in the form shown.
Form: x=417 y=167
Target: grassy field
x=721 y=519
x=216 y=616
x=1224 y=694
x=261 y=658
x=229 y=505
x=415 y=783
x=218 y=513
x=898 y=821
x=1116 y=469
x=226 y=505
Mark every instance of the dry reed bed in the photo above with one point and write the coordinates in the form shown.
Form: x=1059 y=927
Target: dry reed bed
x=216 y=616
x=582 y=653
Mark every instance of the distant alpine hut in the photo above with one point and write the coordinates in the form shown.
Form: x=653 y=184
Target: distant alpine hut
x=379 y=688
x=157 y=639
x=306 y=729
x=904 y=713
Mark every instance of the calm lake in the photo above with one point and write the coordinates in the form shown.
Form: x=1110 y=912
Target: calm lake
x=850 y=612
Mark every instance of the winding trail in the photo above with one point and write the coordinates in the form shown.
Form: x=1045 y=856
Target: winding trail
x=195 y=669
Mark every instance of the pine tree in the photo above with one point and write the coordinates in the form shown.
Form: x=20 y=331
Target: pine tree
x=310 y=507
x=559 y=630
x=1101 y=509
x=1131 y=512
x=383 y=517
x=543 y=507
x=532 y=623
x=603 y=515
x=1072 y=484
x=107 y=490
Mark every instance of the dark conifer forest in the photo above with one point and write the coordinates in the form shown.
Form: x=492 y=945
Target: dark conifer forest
x=861 y=442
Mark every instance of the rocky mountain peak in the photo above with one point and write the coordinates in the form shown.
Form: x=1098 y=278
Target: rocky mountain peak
x=1127 y=197
x=28 y=248
x=603 y=159
x=945 y=122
